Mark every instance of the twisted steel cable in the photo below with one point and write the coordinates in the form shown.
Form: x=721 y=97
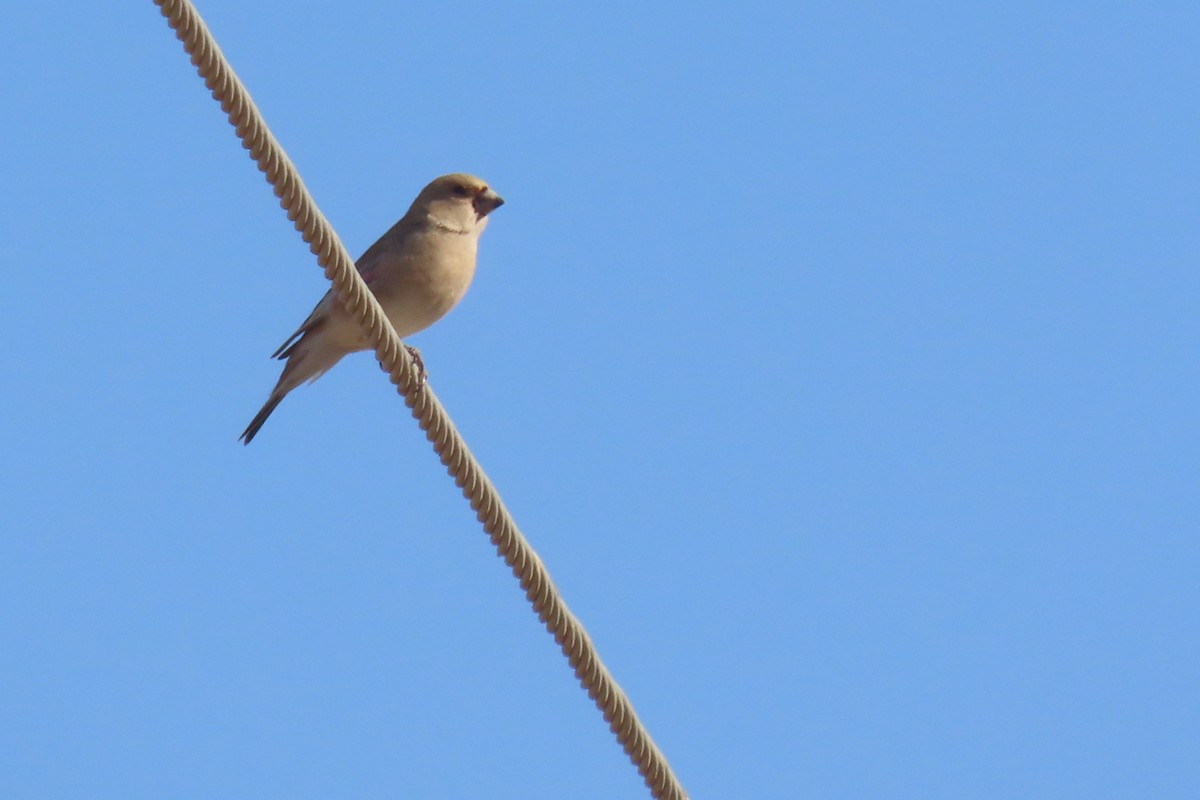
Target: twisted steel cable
x=339 y=268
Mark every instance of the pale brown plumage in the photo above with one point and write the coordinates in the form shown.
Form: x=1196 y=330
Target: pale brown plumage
x=418 y=270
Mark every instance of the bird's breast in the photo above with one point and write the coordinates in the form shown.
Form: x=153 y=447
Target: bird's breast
x=426 y=281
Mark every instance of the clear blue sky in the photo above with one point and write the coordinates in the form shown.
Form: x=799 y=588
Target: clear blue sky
x=839 y=360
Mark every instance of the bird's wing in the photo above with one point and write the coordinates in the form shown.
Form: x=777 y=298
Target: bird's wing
x=315 y=320
x=366 y=266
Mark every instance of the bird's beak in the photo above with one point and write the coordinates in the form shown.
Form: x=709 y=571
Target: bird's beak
x=486 y=202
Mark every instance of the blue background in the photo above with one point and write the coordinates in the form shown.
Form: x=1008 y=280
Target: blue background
x=839 y=360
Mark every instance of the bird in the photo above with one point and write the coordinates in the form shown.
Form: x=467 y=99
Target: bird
x=418 y=271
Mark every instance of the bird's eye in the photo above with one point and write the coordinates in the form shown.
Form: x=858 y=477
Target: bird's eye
x=461 y=190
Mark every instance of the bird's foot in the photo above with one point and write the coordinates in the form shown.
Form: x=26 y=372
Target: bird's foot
x=415 y=354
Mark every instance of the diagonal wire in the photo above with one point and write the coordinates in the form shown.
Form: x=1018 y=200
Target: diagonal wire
x=430 y=415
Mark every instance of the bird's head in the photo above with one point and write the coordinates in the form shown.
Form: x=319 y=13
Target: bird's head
x=458 y=202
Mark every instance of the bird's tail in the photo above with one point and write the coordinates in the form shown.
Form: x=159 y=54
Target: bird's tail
x=261 y=416
x=308 y=358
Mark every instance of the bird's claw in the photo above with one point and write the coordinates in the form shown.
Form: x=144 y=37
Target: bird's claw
x=415 y=354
